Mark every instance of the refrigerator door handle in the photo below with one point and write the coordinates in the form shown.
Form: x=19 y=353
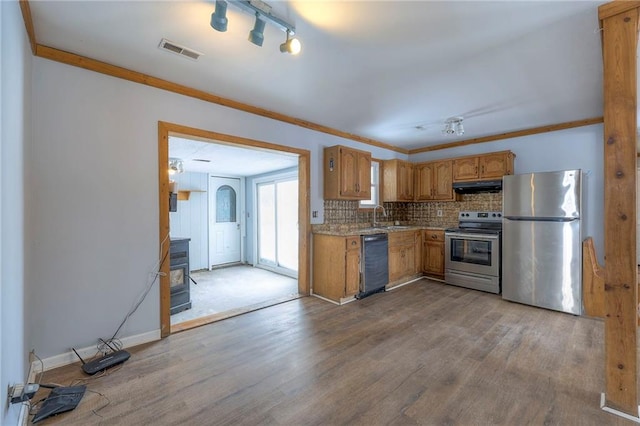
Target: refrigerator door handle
x=541 y=219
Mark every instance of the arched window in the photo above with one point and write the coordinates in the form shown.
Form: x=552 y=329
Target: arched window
x=225 y=204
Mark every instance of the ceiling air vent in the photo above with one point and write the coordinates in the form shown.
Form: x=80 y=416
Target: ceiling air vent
x=172 y=47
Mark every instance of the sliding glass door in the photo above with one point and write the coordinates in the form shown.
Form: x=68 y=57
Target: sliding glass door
x=277 y=214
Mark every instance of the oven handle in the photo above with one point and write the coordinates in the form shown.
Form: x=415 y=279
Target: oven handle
x=471 y=236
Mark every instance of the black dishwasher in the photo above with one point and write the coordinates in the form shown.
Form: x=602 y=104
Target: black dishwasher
x=375 y=264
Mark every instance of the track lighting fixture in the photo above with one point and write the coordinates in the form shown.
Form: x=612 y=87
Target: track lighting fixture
x=256 y=35
x=175 y=166
x=291 y=45
x=219 y=16
x=453 y=126
x=262 y=12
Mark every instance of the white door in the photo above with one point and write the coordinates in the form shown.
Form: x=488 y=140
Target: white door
x=224 y=220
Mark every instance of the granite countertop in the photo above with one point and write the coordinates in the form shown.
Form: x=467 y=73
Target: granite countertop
x=350 y=229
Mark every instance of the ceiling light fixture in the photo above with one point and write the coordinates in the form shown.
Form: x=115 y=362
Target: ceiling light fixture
x=175 y=166
x=453 y=126
x=219 y=16
x=262 y=13
x=291 y=45
x=256 y=35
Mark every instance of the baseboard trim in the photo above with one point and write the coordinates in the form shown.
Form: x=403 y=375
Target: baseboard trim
x=613 y=411
x=403 y=284
x=325 y=299
x=88 y=352
x=23 y=417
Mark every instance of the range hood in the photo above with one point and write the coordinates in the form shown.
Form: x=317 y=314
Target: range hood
x=478 y=186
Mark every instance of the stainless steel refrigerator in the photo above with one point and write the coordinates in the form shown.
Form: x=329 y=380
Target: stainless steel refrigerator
x=542 y=240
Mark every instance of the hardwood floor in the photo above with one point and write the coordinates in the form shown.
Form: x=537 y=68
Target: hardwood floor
x=425 y=353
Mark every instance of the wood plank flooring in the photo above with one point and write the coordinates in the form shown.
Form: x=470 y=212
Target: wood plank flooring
x=426 y=353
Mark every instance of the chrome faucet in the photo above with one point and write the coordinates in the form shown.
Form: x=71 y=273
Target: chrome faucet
x=384 y=213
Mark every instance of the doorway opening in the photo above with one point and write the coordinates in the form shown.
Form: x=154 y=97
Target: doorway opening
x=277 y=224
x=237 y=233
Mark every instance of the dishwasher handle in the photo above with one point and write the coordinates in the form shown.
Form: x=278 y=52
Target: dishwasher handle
x=375 y=237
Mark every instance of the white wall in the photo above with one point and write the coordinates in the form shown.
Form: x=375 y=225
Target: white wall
x=93 y=181
x=95 y=196
x=15 y=71
x=578 y=148
x=192 y=220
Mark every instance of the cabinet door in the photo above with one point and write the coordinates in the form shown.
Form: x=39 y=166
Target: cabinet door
x=443 y=187
x=363 y=184
x=409 y=261
x=425 y=181
x=352 y=271
x=465 y=168
x=406 y=181
x=396 y=266
x=433 y=258
x=349 y=162
x=433 y=252
x=494 y=166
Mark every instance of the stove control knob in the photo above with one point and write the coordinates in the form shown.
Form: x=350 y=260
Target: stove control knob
x=499 y=214
x=494 y=215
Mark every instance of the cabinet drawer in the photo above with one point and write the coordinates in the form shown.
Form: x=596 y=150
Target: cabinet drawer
x=353 y=243
x=433 y=236
x=402 y=239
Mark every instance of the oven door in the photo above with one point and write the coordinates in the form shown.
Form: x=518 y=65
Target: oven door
x=473 y=253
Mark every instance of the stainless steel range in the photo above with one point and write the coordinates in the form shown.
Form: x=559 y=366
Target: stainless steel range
x=472 y=251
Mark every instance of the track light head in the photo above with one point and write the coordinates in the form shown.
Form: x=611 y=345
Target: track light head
x=256 y=35
x=453 y=126
x=291 y=45
x=219 y=16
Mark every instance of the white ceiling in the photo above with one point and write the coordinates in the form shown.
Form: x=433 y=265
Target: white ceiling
x=372 y=68
x=228 y=160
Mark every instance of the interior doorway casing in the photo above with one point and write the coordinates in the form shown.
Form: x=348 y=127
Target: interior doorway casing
x=169 y=129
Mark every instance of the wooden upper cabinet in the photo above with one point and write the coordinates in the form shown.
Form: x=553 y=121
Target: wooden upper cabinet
x=434 y=181
x=425 y=181
x=465 y=168
x=483 y=167
x=364 y=175
x=443 y=189
x=494 y=166
x=347 y=173
x=397 y=182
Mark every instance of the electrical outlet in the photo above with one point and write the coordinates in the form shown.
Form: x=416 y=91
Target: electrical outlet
x=439 y=213
x=21 y=393
x=314 y=213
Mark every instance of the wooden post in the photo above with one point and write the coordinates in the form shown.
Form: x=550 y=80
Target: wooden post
x=620 y=32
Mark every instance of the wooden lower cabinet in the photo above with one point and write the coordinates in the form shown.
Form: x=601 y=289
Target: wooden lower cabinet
x=404 y=256
x=336 y=267
x=433 y=253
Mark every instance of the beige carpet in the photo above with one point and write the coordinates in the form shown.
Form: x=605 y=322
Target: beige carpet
x=233 y=287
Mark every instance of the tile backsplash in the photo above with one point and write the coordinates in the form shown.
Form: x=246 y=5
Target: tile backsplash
x=414 y=213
